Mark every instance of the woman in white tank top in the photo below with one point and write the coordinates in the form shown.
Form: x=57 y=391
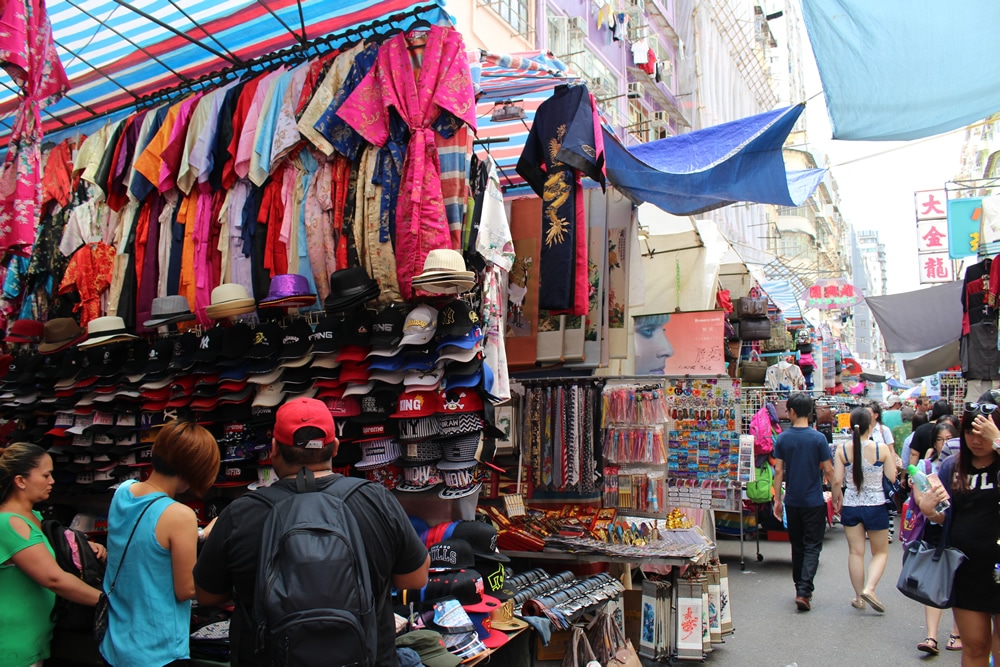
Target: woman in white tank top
x=864 y=510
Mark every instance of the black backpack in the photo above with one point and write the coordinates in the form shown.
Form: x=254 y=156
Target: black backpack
x=70 y=615
x=313 y=599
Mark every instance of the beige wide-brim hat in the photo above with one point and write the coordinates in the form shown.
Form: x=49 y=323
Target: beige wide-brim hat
x=229 y=300
x=105 y=330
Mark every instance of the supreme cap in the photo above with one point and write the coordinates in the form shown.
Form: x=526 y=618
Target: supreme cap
x=304 y=422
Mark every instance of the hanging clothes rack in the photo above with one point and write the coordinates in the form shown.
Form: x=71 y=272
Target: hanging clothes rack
x=294 y=54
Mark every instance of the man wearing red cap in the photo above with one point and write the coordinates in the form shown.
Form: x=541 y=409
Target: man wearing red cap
x=304 y=439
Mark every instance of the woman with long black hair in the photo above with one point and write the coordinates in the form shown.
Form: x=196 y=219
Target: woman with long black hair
x=970 y=481
x=864 y=510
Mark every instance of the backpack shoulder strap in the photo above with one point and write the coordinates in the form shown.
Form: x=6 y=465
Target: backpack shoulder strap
x=344 y=487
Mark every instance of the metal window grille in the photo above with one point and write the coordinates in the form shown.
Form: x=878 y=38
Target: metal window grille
x=514 y=12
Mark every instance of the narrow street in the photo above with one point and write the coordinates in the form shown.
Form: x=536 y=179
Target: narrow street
x=771 y=633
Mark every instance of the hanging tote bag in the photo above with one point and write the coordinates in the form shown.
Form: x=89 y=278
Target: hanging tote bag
x=754 y=370
x=928 y=573
x=610 y=646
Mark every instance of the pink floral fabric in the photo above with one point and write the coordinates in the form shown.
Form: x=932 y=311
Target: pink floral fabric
x=28 y=54
x=418 y=91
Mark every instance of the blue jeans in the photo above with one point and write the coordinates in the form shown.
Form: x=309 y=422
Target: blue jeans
x=806 y=527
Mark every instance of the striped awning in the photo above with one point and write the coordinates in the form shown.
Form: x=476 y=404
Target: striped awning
x=115 y=52
x=782 y=294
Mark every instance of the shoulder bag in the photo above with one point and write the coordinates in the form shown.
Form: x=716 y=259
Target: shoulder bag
x=928 y=572
x=104 y=603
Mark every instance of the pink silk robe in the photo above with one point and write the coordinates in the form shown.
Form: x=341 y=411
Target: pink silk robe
x=418 y=93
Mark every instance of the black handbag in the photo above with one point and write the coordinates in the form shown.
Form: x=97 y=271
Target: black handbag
x=758 y=328
x=751 y=306
x=928 y=573
x=103 y=606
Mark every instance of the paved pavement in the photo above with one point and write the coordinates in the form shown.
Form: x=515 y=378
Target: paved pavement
x=769 y=632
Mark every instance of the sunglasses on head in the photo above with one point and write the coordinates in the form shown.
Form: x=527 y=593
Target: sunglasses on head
x=981 y=408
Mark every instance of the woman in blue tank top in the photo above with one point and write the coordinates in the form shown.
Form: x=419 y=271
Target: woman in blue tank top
x=150 y=612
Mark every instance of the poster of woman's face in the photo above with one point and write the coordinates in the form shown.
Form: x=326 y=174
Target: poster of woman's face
x=680 y=343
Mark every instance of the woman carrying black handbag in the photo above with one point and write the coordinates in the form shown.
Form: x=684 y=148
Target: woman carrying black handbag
x=970 y=481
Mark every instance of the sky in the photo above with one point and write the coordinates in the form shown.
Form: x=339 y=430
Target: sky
x=877 y=192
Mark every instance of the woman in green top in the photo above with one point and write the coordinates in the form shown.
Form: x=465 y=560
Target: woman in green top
x=30 y=578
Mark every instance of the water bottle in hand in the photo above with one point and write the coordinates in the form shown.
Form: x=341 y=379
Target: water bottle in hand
x=924 y=484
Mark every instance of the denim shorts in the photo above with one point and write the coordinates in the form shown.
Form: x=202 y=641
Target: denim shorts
x=872 y=517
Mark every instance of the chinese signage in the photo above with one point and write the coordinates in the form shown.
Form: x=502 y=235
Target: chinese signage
x=931 y=204
x=937 y=239
x=830 y=294
x=936 y=267
x=964 y=219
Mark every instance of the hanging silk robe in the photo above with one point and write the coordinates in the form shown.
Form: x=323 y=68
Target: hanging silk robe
x=418 y=93
x=28 y=54
x=564 y=143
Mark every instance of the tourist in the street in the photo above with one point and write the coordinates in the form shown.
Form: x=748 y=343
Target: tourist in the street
x=944 y=432
x=970 y=482
x=921 y=441
x=802 y=461
x=864 y=510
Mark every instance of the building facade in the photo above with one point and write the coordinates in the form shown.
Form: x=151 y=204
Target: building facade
x=871 y=279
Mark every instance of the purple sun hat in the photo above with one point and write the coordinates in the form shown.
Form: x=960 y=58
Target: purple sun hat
x=288 y=290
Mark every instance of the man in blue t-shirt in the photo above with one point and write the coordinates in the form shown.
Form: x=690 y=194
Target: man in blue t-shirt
x=802 y=460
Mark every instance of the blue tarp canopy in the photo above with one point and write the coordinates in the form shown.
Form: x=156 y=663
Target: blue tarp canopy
x=707 y=169
x=783 y=295
x=905 y=69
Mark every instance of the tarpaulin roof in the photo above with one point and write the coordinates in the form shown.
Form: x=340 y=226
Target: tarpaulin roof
x=117 y=51
x=714 y=167
x=904 y=69
x=783 y=295
x=904 y=322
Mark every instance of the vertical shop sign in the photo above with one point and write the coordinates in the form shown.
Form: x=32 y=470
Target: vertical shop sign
x=932 y=235
x=930 y=204
x=964 y=219
x=938 y=240
x=936 y=267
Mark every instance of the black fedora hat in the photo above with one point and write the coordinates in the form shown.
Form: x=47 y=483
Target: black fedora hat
x=350 y=287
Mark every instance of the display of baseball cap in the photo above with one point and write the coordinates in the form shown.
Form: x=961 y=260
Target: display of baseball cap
x=502 y=618
x=429 y=646
x=104 y=330
x=424 y=380
x=378 y=453
x=349 y=288
x=420 y=325
x=482 y=537
x=210 y=345
x=288 y=290
x=466 y=586
x=325 y=338
x=185 y=346
x=471 y=339
x=387 y=327
x=237 y=473
x=463 y=400
x=490 y=637
x=390 y=476
x=269 y=395
x=169 y=310
x=236 y=344
x=456 y=319
x=359 y=389
x=459 y=451
x=229 y=300
x=376 y=407
x=158 y=357
x=414 y=404
x=295 y=341
x=424 y=451
x=460 y=483
x=353 y=372
x=356 y=328
x=459 y=424
x=107 y=360
x=59 y=334
x=495 y=578
x=458 y=354
x=464 y=645
x=417 y=428
x=451 y=554
x=343 y=407
x=355 y=353
x=304 y=422
x=419 y=477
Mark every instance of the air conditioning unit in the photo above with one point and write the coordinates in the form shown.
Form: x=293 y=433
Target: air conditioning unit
x=660 y=118
x=636 y=4
x=634 y=90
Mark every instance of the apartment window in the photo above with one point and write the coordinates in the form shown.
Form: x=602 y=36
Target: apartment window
x=638 y=121
x=514 y=12
x=794 y=245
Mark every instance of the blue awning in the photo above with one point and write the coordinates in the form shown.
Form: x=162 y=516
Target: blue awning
x=783 y=295
x=904 y=69
x=699 y=171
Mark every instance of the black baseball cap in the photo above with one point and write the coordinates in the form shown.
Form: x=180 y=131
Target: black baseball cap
x=108 y=360
x=210 y=345
x=185 y=346
x=158 y=357
x=356 y=328
x=387 y=327
x=451 y=554
x=325 y=339
x=137 y=357
x=295 y=341
x=456 y=319
x=266 y=341
x=235 y=345
x=376 y=407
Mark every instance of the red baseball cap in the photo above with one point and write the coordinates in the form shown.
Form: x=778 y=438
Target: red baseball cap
x=304 y=422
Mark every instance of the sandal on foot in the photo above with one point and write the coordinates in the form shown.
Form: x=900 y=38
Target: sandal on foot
x=954 y=643
x=873 y=601
x=858 y=603
x=929 y=645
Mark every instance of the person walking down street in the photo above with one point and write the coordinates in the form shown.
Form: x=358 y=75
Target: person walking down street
x=30 y=577
x=944 y=432
x=970 y=481
x=921 y=441
x=864 y=511
x=802 y=462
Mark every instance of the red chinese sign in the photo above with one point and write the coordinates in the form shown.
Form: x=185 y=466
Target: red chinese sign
x=831 y=294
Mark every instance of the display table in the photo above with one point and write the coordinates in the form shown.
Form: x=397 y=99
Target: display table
x=483 y=657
